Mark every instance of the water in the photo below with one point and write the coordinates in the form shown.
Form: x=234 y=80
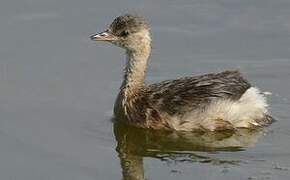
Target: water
x=57 y=89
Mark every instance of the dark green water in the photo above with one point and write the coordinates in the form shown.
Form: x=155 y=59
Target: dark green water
x=57 y=89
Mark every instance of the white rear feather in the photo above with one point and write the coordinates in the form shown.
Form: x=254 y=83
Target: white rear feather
x=242 y=113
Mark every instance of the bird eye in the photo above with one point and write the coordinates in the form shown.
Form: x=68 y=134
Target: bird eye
x=124 y=33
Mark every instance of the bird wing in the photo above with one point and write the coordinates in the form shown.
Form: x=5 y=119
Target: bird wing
x=179 y=95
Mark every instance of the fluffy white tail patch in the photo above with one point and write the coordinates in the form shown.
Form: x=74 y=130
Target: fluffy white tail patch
x=244 y=112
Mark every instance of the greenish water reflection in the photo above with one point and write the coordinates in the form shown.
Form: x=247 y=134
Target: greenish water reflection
x=135 y=143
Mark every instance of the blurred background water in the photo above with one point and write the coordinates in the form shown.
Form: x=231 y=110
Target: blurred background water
x=57 y=88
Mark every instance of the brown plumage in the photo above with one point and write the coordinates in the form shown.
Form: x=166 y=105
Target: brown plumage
x=206 y=102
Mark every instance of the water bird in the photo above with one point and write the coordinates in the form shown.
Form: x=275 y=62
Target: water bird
x=209 y=102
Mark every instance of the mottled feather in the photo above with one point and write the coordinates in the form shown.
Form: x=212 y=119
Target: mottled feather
x=177 y=96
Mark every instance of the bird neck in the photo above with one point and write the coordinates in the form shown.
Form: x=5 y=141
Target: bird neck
x=135 y=69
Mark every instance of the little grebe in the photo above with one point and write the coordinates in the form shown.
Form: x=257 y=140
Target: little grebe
x=212 y=102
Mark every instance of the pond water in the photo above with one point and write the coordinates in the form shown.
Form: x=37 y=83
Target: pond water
x=57 y=89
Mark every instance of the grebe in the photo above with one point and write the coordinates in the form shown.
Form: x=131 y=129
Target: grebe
x=213 y=102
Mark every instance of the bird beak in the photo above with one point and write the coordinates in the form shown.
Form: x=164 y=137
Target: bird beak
x=103 y=36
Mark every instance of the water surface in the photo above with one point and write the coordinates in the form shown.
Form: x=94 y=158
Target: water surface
x=57 y=89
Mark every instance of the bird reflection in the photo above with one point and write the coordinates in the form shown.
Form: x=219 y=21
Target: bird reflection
x=135 y=143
